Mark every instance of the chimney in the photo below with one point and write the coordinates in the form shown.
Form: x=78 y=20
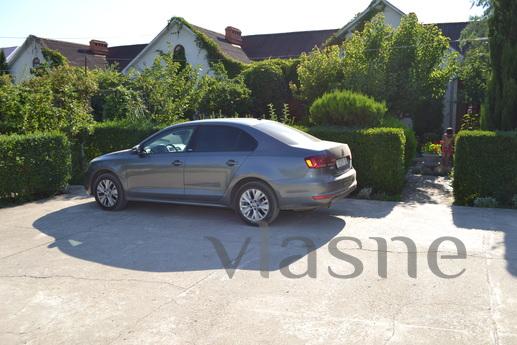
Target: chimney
x=233 y=35
x=98 y=47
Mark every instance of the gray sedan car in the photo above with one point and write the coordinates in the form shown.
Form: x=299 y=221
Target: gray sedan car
x=257 y=167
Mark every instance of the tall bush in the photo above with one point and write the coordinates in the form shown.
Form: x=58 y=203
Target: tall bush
x=347 y=108
x=266 y=81
x=224 y=95
x=169 y=91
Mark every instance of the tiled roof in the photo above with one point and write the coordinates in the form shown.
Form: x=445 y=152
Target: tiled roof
x=233 y=51
x=76 y=54
x=283 y=45
x=453 y=31
x=8 y=51
x=122 y=55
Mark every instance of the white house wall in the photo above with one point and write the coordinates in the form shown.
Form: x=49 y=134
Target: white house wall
x=391 y=17
x=197 y=57
x=21 y=68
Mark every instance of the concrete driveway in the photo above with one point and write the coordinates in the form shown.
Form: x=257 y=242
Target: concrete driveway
x=161 y=274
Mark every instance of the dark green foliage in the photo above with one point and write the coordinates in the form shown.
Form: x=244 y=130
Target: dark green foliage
x=347 y=108
x=484 y=166
x=502 y=89
x=115 y=99
x=4 y=68
x=104 y=138
x=378 y=155
x=33 y=165
x=266 y=81
x=411 y=140
x=474 y=70
x=224 y=95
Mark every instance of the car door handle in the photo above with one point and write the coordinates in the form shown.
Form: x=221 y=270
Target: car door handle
x=231 y=163
x=177 y=163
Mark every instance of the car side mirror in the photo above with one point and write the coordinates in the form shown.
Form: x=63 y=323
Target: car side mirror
x=139 y=150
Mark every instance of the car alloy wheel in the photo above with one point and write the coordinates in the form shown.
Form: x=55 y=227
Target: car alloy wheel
x=107 y=193
x=254 y=205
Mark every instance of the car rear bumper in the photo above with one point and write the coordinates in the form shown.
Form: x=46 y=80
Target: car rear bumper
x=316 y=193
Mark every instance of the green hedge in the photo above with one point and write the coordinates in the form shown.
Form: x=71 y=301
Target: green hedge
x=104 y=138
x=485 y=165
x=378 y=155
x=411 y=141
x=33 y=165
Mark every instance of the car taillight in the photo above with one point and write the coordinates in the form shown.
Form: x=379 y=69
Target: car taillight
x=318 y=162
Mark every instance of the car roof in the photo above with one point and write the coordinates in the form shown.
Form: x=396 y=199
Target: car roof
x=242 y=121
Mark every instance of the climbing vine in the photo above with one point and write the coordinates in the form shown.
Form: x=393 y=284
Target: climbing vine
x=214 y=54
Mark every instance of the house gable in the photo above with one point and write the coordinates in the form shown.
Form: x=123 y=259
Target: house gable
x=392 y=17
x=202 y=47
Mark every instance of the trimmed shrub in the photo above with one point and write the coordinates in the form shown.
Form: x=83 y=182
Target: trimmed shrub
x=347 y=108
x=411 y=141
x=104 y=138
x=484 y=166
x=33 y=165
x=378 y=155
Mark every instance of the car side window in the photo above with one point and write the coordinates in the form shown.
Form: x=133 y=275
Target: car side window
x=223 y=139
x=175 y=140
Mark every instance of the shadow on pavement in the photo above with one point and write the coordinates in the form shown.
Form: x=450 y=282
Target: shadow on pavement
x=168 y=238
x=492 y=220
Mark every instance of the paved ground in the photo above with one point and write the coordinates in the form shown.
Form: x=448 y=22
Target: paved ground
x=427 y=189
x=70 y=273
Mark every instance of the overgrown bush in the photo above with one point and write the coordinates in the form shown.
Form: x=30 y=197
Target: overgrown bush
x=347 y=108
x=169 y=91
x=33 y=165
x=115 y=99
x=377 y=154
x=266 y=81
x=224 y=95
x=484 y=166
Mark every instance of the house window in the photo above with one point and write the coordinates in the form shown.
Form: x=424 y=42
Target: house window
x=35 y=62
x=179 y=55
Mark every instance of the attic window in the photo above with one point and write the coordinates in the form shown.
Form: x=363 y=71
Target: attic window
x=35 y=62
x=179 y=54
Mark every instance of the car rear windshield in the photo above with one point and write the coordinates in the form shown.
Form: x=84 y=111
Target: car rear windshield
x=287 y=135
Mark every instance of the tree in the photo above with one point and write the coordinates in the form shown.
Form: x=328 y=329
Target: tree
x=408 y=67
x=475 y=68
x=169 y=92
x=4 y=67
x=502 y=87
x=319 y=72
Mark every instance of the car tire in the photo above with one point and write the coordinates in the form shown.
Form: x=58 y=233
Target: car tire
x=109 y=193
x=256 y=204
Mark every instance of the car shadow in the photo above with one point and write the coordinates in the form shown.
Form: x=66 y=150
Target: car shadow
x=170 y=238
x=500 y=220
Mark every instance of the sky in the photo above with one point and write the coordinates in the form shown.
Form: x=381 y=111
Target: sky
x=132 y=22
